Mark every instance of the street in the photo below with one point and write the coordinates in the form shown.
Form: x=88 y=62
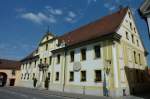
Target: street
x=17 y=93
x=29 y=93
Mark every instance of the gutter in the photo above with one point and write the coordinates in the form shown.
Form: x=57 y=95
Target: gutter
x=65 y=65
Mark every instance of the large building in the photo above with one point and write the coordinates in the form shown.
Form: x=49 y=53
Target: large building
x=145 y=12
x=104 y=57
x=9 y=72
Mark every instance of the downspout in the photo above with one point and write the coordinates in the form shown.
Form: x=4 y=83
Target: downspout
x=65 y=55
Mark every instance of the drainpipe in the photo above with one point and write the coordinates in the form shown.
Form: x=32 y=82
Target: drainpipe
x=65 y=68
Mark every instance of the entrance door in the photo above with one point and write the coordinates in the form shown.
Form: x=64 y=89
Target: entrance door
x=12 y=82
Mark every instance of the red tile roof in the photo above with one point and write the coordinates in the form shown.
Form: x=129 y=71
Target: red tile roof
x=9 y=64
x=105 y=26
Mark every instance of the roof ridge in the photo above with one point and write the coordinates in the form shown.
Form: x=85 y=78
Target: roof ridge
x=99 y=25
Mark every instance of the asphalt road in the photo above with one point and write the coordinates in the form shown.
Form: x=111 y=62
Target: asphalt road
x=28 y=93
x=14 y=93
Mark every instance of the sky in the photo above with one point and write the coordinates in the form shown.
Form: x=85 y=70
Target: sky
x=24 y=22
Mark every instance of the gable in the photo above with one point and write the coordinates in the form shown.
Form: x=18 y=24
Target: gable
x=46 y=37
x=129 y=27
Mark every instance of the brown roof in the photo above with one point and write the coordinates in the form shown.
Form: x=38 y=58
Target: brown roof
x=104 y=26
x=9 y=64
x=30 y=57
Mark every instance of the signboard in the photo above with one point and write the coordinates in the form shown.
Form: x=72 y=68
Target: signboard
x=77 y=66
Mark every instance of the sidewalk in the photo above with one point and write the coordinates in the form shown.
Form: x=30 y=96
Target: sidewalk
x=73 y=95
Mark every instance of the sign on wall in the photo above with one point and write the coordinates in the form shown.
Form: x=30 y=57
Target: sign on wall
x=77 y=66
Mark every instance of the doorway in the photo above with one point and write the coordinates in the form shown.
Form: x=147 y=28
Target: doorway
x=12 y=82
x=3 y=79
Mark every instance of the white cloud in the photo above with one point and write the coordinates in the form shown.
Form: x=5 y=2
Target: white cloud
x=90 y=1
x=72 y=14
x=38 y=18
x=54 y=11
x=32 y=17
x=109 y=6
x=112 y=8
x=68 y=19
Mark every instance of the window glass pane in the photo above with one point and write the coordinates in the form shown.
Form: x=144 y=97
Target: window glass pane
x=83 y=54
x=97 y=51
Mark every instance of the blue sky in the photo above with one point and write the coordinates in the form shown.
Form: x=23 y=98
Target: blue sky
x=24 y=22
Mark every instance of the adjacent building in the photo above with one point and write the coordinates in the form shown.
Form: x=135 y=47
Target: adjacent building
x=105 y=57
x=145 y=12
x=9 y=72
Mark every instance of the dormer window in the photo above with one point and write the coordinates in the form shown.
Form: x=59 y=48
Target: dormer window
x=40 y=61
x=45 y=60
x=130 y=25
x=127 y=35
x=134 y=29
x=137 y=42
x=129 y=14
x=58 y=58
x=47 y=38
x=132 y=38
x=46 y=47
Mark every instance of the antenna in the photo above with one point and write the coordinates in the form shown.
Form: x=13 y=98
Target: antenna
x=47 y=29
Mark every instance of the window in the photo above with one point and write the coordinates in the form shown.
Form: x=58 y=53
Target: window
x=137 y=42
x=57 y=76
x=47 y=38
x=23 y=66
x=97 y=51
x=22 y=76
x=132 y=38
x=135 y=57
x=129 y=14
x=71 y=76
x=72 y=56
x=139 y=58
x=30 y=64
x=13 y=72
x=25 y=75
x=134 y=29
x=35 y=63
x=58 y=58
x=50 y=60
x=46 y=46
x=130 y=25
x=33 y=76
x=98 y=75
x=40 y=61
x=49 y=75
x=127 y=35
x=83 y=76
x=28 y=77
x=45 y=60
x=83 y=54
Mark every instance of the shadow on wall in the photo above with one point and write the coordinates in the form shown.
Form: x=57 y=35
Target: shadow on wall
x=138 y=80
